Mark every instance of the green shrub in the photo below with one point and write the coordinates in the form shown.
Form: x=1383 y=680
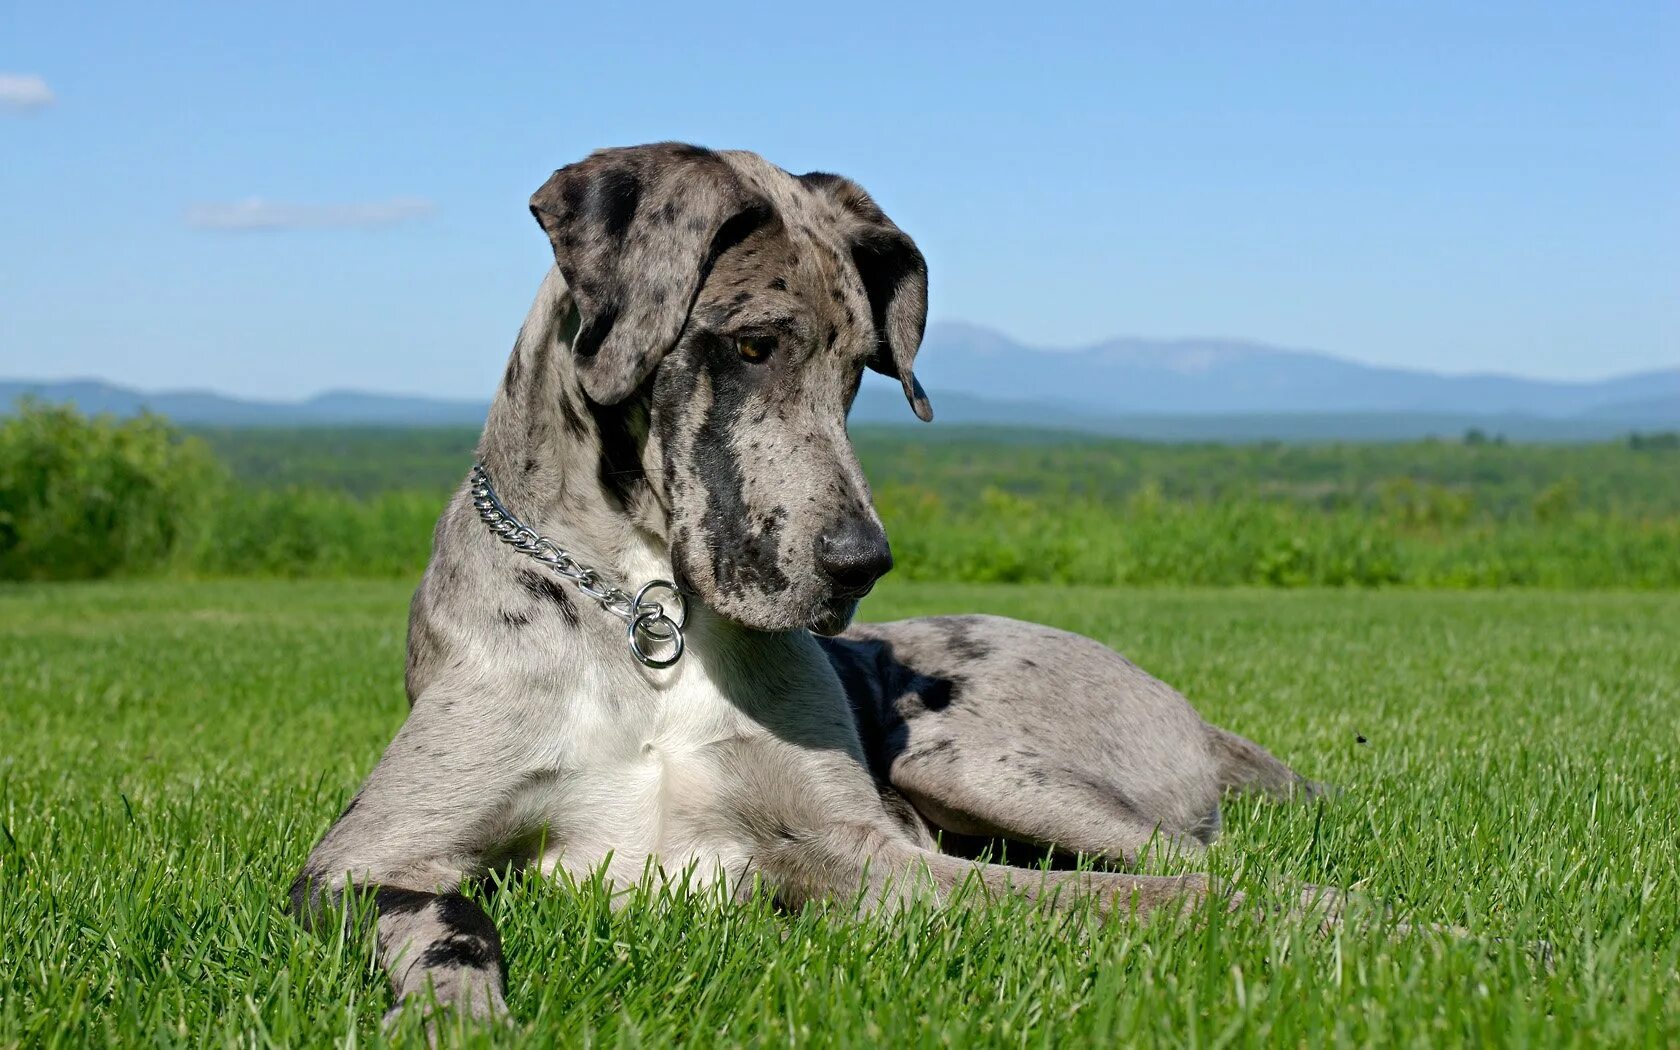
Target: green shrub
x=299 y=531
x=82 y=498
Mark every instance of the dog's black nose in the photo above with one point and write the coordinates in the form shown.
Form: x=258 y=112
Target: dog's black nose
x=854 y=555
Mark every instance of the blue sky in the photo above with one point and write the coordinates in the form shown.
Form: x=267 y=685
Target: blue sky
x=1449 y=186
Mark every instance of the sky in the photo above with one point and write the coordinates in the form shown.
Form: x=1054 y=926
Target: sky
x=274 y=200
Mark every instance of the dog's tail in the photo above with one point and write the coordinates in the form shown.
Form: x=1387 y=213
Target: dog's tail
x=1246 y=767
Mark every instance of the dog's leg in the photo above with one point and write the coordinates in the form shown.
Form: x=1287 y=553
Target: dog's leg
x=1057 y=811
x=1110 y=891
x=431 y=942
x=424 y=821
x=842 y=862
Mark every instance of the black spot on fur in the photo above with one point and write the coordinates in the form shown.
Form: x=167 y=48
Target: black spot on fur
x=458 y=952
x=936 y=693
x=594 y=331
x=778 y=285
x=472 y=939
x=575 y=424
x=614 y=197
x=736 y=229
x=548 y=589
x=572 y=193
x=960 y=638
x=392 y=900
x=742 y=558
x=620 y=463
x=513 y=619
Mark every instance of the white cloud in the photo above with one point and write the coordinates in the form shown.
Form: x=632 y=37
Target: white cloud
x=259 y=214
x=22 y=92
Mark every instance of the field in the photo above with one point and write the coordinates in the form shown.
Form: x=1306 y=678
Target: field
x=1507 y=762
x=1636 y=476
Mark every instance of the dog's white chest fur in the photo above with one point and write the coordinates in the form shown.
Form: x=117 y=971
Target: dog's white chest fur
x=640 y=779
x=656 y=767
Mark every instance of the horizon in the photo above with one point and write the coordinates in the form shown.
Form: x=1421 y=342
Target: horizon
x=254 y=203
x=494 y=373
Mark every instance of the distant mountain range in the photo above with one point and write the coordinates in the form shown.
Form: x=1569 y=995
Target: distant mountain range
x=1181 y=389
x=205 y=408
x=1224 y=376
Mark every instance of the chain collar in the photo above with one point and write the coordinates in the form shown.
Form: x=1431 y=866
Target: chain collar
x=651 y=628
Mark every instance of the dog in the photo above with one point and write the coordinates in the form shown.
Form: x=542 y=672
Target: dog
x=674 y=410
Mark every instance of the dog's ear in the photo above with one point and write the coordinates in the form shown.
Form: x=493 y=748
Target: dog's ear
x=635 y=231
x=895 y=277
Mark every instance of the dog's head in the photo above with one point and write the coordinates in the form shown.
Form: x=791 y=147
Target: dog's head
x=740 y=304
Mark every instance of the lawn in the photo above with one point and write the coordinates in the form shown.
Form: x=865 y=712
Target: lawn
x=1508 y=762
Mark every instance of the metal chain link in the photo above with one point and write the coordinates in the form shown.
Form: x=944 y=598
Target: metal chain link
x=646 y=620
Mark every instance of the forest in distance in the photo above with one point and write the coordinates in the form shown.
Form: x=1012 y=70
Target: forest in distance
x=85 y=497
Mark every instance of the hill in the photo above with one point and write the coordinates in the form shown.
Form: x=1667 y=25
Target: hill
x=1161 y=390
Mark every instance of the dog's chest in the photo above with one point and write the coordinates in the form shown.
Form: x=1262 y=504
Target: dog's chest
x=645 y=778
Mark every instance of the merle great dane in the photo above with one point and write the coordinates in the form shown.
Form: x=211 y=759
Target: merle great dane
x=675 y=409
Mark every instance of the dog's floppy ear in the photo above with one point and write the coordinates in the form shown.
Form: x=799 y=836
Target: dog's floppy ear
x=635 y=231
x=895 y=277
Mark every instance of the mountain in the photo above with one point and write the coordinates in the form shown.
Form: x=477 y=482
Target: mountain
x=203 y=408
x=1224 y=376
x=1168 y=390
x=883 y=404
x=1663 y=410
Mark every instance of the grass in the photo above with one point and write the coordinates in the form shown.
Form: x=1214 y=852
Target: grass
x=1508 y=762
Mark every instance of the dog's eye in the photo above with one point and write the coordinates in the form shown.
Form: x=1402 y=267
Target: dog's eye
x=754 y=348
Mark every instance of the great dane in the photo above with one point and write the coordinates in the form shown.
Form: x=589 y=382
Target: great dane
x=675 y=410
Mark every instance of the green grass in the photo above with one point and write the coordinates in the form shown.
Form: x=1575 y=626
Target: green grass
x=169 y=752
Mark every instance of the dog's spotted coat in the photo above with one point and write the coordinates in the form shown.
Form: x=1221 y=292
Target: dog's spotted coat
x=635 y=428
